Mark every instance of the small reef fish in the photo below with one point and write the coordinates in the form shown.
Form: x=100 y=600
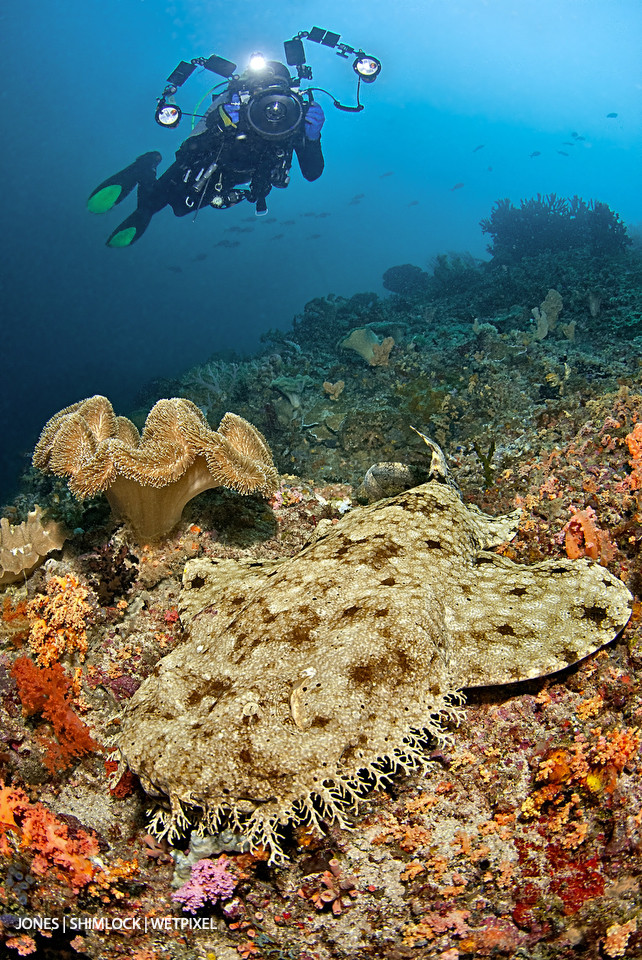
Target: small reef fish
x=358 y=197
x=228 y=243
x=563 y=153
x=233 y=229
x=568 y=143
x=576 y=136
x=174 y=269
x=388 y=173
x=611 y=116
x=314 y=236
x=288 y=223
x=479 y=147
x=200 y=256
x=413 y=203
x=270 y=220
x=308 y=213
x=457 y=186
x=325 y=213
x=535 y=153
x=277 y=236
x=246 y=229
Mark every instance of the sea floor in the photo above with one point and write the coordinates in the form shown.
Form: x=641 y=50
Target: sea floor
x=523 y=835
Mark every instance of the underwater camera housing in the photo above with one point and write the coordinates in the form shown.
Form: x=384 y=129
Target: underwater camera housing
x=271 y=103
x=271 y=106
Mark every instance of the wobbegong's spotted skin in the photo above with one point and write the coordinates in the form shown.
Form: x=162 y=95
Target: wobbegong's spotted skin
x=300 y=675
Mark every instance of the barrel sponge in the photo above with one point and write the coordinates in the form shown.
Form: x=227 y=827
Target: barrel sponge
x=148 y=478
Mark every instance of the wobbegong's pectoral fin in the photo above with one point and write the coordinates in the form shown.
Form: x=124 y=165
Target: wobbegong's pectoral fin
x=514 y=622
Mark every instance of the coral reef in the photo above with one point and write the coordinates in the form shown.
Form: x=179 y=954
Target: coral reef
x=519 y=834
x=148 y=479
x=553 y=223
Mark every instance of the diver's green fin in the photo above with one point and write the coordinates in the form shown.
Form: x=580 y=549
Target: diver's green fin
x=114 y=190
x=130 y=229
x=104 y=198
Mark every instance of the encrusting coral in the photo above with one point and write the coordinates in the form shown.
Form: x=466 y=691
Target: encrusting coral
x=58 y=621
x=149 y=478
x=307 y=678
x=24 y=546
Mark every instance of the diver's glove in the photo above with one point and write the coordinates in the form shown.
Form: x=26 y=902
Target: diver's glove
x=314 y=120
x=233 y=109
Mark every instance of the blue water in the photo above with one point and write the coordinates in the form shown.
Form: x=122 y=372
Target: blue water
x=80 y=83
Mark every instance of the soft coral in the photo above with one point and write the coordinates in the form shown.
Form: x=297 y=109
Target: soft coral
x=50 y=839
x=48 y=691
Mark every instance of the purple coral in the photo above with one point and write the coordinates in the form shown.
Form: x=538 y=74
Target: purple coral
x=210 y=880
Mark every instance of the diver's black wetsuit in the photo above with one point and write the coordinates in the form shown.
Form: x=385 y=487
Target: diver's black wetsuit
x=190 y=182
x=209 y=168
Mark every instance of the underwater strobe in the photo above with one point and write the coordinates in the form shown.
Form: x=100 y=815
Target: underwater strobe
x=368 y=68
x=271 y=102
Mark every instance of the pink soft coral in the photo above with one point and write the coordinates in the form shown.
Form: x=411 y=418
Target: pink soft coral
x=210 y=881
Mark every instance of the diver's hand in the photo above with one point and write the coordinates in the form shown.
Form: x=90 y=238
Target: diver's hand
x=314 y=120
x=233 y=108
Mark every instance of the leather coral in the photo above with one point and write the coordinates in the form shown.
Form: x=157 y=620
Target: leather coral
x=148 y=478
x=24 y=546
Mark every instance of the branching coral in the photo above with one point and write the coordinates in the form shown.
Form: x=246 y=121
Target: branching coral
x=149 y=478
x=381 y=352
x=333 y=390
x=553 y=223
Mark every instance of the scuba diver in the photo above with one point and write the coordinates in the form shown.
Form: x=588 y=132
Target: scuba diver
x=232 y=154
x=243 y=145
